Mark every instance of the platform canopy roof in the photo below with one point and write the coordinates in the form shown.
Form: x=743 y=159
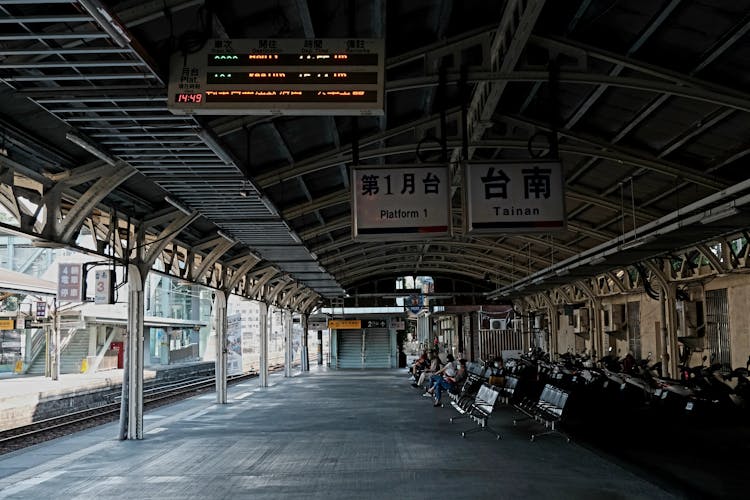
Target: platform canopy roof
x=649 y=105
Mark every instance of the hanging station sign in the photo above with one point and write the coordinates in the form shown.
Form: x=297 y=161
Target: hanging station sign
x=280 y=76
x=401 y=203
x=514 y=197
x=104 y=286
x=344 y=324
x=69 y=282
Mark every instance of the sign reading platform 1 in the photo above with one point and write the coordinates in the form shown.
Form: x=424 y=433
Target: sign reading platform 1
x=279 y=76
x=401 y=203
x=514 y=197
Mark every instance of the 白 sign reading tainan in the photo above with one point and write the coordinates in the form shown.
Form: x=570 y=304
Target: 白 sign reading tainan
x=400 y=202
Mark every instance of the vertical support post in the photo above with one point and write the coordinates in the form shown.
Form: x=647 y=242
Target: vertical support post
x=596 y=332
x=135 y=353
x=552 y=322
x=220 y=324
x=288 y=344
x=55 y=351
x=665 y=361
x=303 y=342
x=674 y=358
x=320 y=347
x=263 y=322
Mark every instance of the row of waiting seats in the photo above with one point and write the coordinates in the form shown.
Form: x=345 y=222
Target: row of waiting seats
x=477 y=399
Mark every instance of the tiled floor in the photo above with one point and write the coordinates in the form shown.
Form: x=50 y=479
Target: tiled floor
x=326 y=434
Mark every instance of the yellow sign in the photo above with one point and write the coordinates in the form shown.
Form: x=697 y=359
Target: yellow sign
x=7 y=324
x=344 y=324
x=19 y=366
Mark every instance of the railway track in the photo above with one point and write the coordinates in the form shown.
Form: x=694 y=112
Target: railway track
x=69 y=423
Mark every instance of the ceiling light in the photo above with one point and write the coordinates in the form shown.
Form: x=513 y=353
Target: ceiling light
x=105 y=21
x=562 y=272
x=177 y=205
x=87 y=146
x=209 y=141
x=721 y=214
x=244 y=192
x=226 y=236
x=597 y=260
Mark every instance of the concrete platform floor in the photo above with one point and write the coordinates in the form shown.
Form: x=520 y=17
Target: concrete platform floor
x=326 y=434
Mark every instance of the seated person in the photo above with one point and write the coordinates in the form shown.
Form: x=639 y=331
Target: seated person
x=430 y=371
x=419 y=364
x=444 y=379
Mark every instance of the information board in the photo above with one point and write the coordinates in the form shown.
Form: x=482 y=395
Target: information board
x=344 y=324
x=514 y=197
x=401 y=203
x=279 y=76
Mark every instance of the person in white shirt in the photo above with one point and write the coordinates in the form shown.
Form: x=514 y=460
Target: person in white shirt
x=442 y=380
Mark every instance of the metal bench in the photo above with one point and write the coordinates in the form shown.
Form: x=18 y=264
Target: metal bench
x=548 y=409
x=481 y=409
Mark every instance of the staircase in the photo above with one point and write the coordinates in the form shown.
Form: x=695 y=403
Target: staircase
x=76 y=350
x=72 y=355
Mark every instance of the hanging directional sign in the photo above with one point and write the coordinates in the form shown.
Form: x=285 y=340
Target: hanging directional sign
x=400 y=203
x=514 y=197
x=69 y=282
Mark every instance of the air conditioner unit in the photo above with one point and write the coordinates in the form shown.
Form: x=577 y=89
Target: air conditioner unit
x=687 y=318
x=581 y=320
x=497 y=324
x=613 y=317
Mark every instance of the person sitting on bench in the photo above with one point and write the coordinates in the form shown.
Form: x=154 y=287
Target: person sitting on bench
x=444 y=379
x=419 y=364
x=434 y=366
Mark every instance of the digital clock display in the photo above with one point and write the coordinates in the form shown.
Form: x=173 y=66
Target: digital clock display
x=195 y=98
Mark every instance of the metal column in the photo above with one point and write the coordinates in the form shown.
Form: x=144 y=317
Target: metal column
x=303 y=342
x=220 y=324
x=288 y=344
x=263 y=319
x=320 y=347
x=135 y=353
x=552 y=318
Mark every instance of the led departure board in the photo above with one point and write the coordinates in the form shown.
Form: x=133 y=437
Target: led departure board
x=279 y=76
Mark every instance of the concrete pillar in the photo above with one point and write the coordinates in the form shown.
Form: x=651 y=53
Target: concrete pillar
x=286 y=321
x=303 y=344
x=263 y=319
x=134 y=351
x=220 y=326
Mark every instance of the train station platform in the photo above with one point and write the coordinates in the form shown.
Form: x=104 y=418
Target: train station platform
x=324 y=434
x=27 y=398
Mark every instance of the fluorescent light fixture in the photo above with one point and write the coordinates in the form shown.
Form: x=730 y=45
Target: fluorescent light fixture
x=226 y=236
x=103 y=19
x=721 y=214
x=209 y=141
x=562 y=272
x=87 y=146
x=314 y=255
x=177 y=205
x=537 y=281
x=597 y=260
x=244 y=192
x=267 y=203
x=638 y=242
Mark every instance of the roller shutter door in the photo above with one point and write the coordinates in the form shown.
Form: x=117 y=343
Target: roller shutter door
x=349 y=348
x=377 y=348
